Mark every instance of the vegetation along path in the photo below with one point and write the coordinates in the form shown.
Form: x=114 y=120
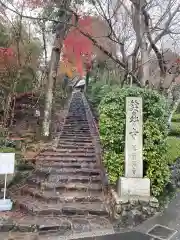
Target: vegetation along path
x=65 y=193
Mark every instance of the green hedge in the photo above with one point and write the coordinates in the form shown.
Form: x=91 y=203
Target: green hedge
x=175 y=129
x=173 y=149
x=155 y=131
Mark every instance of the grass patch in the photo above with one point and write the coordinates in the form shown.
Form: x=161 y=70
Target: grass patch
x=173 y=149
x=175 y=129
x=7 y=150
x=176 y=117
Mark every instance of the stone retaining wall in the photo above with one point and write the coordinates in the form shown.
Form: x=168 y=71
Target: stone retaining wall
x=131 y=211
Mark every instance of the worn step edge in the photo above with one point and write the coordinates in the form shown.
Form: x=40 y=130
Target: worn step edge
x=72 y=186
x=62 y=197
x=67 y=178
x=69 y=209
x=65 y=160
x=68 y=154
x=83 y=171
x=75 y=165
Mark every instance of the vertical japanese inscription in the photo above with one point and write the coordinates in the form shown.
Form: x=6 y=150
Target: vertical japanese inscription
x=133 y=143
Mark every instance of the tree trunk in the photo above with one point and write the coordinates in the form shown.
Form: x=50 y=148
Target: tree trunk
x=61 y=30
x=144 y=52
x=141 y=35
x=87 y=80
x=55 y=56
x=174 y=108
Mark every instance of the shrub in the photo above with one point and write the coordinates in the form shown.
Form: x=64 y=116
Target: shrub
x=155 y=131
x=97 y=90
x=175 y=129
x=173 y=149
x=176 y=117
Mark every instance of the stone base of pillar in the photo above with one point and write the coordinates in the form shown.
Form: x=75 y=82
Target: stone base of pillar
x=133 y=187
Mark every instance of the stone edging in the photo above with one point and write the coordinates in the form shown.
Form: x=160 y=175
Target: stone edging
x=96 y=140
x=131 y=211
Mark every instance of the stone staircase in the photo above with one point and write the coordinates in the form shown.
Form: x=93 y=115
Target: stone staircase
x=65 y=192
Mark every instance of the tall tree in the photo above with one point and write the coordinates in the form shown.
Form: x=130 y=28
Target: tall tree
x=60 y=32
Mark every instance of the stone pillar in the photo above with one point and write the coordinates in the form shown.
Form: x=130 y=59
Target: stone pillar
x=133 y=184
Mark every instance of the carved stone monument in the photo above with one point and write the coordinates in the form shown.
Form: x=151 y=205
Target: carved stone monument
x=133 y=184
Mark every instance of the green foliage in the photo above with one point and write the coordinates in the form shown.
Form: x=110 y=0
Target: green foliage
x=176 y=117
x=7 y=149
x=155 y=131
x=175 y=129
x=96 y=91
x=114 y=164
x=173 y=149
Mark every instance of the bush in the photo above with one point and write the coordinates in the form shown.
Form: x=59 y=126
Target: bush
x=155 y=131
x=96 y=91
x=176 y=118
x=175 y=129
x=173 y=149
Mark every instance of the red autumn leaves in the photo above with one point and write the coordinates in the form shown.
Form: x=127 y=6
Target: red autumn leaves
x=77 y=47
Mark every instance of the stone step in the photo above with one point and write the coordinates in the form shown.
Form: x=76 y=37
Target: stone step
x=77 y=136
x=35 y=180
x=70 y=171
x=83 y=141
x=74 y=150
x=66 y=159
x=49 y=227
x=68 y=154
x=75 y=144
x=63 y=196
x=95 y=208
x=76 y=126
x=72 y=146
x=75 y=185
x=41 y=208
x=75 y=165
x=76 y=130
x=80 y=119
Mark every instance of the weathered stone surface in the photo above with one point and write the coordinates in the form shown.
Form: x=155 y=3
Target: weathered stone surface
x=134 y=187
x=134 y=145
x=131 y=211
x=22 y=236
x=6 y=225
x=84 y=209
x=65 y=194
x=80 y=225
